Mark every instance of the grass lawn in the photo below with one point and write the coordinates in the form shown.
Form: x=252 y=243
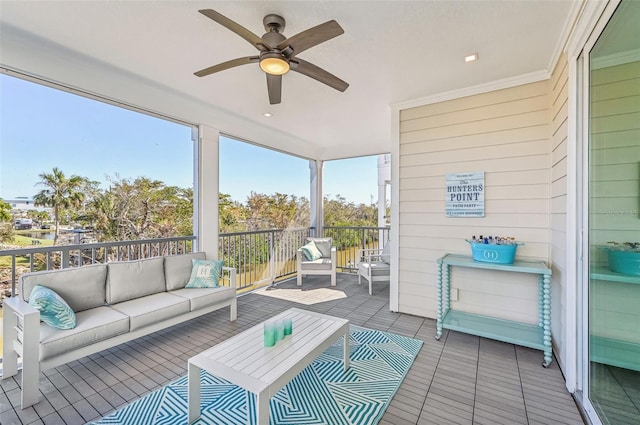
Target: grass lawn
x=26 y=241
x=23 y=242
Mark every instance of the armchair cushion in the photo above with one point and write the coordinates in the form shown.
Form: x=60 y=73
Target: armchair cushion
x=324 y=245
x=311 y=251
x=319 y=264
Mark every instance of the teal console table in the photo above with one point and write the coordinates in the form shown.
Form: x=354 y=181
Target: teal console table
x=532 y=336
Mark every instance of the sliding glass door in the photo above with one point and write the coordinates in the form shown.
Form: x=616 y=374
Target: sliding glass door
x=612 y=369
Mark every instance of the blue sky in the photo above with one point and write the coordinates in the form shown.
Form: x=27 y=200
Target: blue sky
x=42 y=128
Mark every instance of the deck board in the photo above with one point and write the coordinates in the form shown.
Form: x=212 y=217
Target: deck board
x=461 y=379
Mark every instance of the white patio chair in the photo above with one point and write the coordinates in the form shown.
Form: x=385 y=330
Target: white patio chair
x=374 y=265
x=324 y=265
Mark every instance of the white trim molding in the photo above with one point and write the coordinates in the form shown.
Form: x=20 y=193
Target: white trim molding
x=505 y=83
x=616 y=59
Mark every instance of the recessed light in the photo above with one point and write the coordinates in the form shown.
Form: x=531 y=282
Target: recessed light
x=267 y=114
x=471 y=58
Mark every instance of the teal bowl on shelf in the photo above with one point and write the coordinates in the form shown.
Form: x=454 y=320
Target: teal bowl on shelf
x=624 y=262
x=493 y=253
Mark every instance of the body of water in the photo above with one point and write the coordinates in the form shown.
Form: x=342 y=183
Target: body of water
x=38 y=235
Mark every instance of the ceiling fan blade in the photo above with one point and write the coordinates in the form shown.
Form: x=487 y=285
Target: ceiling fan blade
x=319 y=74
x=235 y=27
x=312 y=37
x=274 y=87
x=226 y=65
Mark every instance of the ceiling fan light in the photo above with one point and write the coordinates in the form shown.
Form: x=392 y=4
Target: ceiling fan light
x=274 y=65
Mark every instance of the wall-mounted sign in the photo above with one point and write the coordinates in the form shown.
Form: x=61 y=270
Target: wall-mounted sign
x=465 y=194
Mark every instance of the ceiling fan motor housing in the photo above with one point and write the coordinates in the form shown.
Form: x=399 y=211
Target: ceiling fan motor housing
x=272 y=39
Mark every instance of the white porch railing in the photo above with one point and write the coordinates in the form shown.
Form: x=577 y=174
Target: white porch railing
x=260 y=257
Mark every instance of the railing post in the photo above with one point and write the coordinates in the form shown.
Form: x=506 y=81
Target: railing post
x=272 y=258
x=13 y=275
x=64 y=261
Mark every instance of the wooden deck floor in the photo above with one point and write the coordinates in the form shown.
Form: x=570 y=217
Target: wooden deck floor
x=461 y=379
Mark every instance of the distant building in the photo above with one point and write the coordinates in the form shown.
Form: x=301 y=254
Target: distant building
x=25 y=203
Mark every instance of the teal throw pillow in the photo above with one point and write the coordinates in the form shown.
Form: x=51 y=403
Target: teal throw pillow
x=205 y=273
x=311 y=251
x=54 y=311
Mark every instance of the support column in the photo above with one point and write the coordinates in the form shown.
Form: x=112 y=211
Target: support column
x=316 y=197
x=207 y=182
x=384 y=178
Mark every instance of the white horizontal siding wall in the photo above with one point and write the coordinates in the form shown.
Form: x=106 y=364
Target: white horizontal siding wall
x=559 y=96
x=504 y=133
x=615 y=193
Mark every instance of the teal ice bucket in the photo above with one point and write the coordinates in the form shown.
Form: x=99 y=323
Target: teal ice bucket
x=493 y=253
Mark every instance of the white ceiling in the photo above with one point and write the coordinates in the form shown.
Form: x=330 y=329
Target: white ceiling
x=144 y=53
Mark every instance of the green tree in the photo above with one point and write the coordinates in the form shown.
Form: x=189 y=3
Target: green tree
x=339 y=212
x=140 y=209
x=6 y=227
x=5 y=211
x=83 y=214
x=38 y=217
x=61 y=193
x=277 y=211
x=232 y=214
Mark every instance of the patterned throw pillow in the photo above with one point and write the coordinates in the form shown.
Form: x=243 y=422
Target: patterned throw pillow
x=311 y=251
x=205 y=273
x=54 y=311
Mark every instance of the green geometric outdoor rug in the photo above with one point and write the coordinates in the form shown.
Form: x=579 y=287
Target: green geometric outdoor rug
x=323 y=393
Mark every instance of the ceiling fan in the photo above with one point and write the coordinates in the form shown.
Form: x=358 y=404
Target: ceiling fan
x=278 y=54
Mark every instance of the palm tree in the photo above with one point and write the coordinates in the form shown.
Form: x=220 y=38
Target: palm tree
x=61 y=192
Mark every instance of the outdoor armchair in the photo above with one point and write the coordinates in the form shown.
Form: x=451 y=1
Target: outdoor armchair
x=374 y=265
x=318 y=256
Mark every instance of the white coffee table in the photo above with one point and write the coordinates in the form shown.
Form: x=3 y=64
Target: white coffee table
x=245 y=361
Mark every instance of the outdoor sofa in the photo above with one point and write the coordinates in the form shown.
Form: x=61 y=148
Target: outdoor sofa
x=113 y=303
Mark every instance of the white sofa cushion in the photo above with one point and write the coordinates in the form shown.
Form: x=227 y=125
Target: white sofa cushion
x=82 y=288
x=177 y=269
x=92 y=326
x=204 y=297
x=128 y=280
x=152 y=309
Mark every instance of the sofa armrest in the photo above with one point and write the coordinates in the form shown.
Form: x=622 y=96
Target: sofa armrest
x=334 y=257
x=229 y=276
x=21 y=328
